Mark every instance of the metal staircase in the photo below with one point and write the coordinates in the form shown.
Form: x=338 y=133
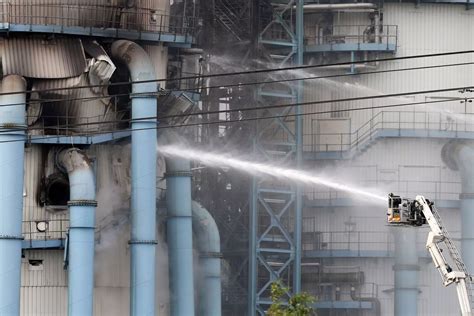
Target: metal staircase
x=232 y=15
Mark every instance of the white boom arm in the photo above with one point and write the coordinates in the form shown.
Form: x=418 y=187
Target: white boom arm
x=436 y=236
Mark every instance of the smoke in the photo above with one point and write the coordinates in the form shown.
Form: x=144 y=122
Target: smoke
x=112 y=251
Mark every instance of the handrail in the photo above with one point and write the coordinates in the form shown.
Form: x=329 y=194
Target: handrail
x=57 y=229
x=99 y=16
x=355 y=34
x=436 y=190
x=398 y=120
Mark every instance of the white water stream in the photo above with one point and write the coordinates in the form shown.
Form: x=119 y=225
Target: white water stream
x=222 y=159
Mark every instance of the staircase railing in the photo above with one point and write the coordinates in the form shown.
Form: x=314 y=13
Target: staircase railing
x=227 y=14
x=454 y=124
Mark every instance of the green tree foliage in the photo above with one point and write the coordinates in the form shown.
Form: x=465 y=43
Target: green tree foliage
x=298 y=305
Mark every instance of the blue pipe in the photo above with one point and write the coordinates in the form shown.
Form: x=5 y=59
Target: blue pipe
x=179 y=231
x=209 y=246
x=81 y=240
x=12 y=141
x=459 y=155
x=143 y=166
x=406 y=272
x=299 y=147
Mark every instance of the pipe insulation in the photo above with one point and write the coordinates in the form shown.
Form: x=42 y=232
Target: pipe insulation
x=406 y=270
x=209 y=246
x=459 y=155
x=179 y=230
x=12 y=141
x=143 y=169
x=81 y=241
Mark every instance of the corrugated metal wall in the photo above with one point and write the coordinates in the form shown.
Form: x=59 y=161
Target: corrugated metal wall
x=43 y=286
x=406 y=166
x=428 y=29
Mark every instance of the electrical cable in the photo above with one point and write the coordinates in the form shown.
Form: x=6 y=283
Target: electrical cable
x=370 y=97
x=166 y=92
x=331 y=76
x=257 y=71
x=87 y=134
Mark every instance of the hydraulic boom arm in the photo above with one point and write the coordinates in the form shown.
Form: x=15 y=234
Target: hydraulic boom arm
x=418 y=212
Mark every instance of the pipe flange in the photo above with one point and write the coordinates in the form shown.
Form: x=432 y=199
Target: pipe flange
x=13 y=126
x=82 y=203
x=145 y=121
x=142 y=242
x=178 y=174
x=217 y=255
x=144 y=95
x=466 y=196
x=10 y=237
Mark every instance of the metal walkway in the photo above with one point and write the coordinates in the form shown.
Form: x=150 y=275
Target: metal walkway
x=390 y=124
x=72 y=18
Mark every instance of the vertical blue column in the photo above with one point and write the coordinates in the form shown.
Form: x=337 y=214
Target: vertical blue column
x=81 y=258
x=467 y=231
x=406 y=272
x=12 y=140
x=143 y=207
x=81 y=242
x=211 y=267
x=143 y=167
x=459 y=156
x=180 y=239
x=208 y=243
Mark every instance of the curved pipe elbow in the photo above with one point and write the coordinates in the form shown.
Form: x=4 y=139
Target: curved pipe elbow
x=205 y=228
x=459 y=155
x=139 y=64
x=80 y=172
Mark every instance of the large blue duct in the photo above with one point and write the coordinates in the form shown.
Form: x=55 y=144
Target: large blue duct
x=143 y=161
x=459 y=155
x=12 y=140
x=179 y=231
x=209 y=246
x=406 y=270
x=81 y=239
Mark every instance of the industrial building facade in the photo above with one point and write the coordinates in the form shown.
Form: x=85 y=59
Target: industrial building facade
x=363 y=93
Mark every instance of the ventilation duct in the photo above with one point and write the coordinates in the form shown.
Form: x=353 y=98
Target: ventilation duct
x=81 y=239
x=143 y=168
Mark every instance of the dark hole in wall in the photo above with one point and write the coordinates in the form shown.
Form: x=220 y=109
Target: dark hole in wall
x=35 y=262
x=56 y=190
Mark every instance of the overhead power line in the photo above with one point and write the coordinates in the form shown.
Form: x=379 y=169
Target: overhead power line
x=165 y=92
x=276 y=106
x=241 y=120
x=91 y=133
x=329 y=76
x=257 y=71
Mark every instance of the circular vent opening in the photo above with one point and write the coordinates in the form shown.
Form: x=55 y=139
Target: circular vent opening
x=57 y=190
